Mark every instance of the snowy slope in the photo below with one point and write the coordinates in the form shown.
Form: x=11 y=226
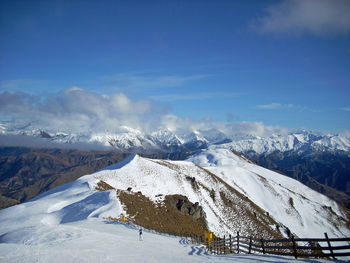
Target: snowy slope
x=158 y=177
x=67 y=203
x=69 y=223
x=306 y=212
x=96 y=240
x=79 y=200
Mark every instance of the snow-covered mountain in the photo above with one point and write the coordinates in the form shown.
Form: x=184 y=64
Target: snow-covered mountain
x=302 y=142
x=137 y=141
x=234 y=194
x=303 y=210
x=321 y=161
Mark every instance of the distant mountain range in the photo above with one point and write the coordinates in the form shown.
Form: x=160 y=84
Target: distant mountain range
x=133 y=140
x=321 y=161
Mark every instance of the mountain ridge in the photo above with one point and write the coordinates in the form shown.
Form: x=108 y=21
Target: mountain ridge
x=131 y=139
x=315 y=159
x=235 y=195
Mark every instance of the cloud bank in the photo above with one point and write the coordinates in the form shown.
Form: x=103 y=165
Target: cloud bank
x=14 y=140
x=75 y=110
x=78 y=111
x=314 y=17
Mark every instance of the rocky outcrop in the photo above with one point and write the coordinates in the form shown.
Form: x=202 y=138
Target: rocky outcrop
x=163 y=217
x=183 y=205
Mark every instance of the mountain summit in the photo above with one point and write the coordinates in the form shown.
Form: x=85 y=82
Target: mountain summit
x=214 y=190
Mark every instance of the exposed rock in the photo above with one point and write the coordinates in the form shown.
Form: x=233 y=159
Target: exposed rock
x=186 y=207
x=161 y=217
x=45 y=135
x=192 y=179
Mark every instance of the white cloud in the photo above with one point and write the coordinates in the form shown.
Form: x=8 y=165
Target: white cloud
x=252 y=128
x=197 y=96
x=12 y=140
x=272 y=106
x=79 y=111
x=276 y=106
x=315 y=17
x=76 y=110
x=176 y=124
x=345 y=109
x=136 y=80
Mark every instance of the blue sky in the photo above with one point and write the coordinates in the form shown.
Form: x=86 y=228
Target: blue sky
x=281 y=63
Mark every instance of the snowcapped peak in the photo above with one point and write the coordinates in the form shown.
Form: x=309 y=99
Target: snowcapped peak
x=127 y=129
x=128 y=160
x=196 y=132
x=332 y=142
x=214 y=157
x=2 y=128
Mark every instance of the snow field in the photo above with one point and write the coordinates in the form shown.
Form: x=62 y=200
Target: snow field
x=96 y=240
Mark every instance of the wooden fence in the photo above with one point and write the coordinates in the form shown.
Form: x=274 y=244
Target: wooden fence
x=298 y=247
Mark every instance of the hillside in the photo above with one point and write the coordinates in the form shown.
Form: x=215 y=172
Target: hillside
x=327 y=173
x=228 y=195
x=27 y=172
x=224 y=207
x=303 y=210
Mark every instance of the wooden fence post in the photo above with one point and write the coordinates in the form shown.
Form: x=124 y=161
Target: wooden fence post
x=217 y=246
x=237 y=242
x=250 y=245
x=213 y=245
x=329 y=245
x=294 y=247
x=224 y=245
x=262 y=246
x=230 y=244
x=210 y=242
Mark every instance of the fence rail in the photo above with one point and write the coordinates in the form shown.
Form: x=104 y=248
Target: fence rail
x=297 y=247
